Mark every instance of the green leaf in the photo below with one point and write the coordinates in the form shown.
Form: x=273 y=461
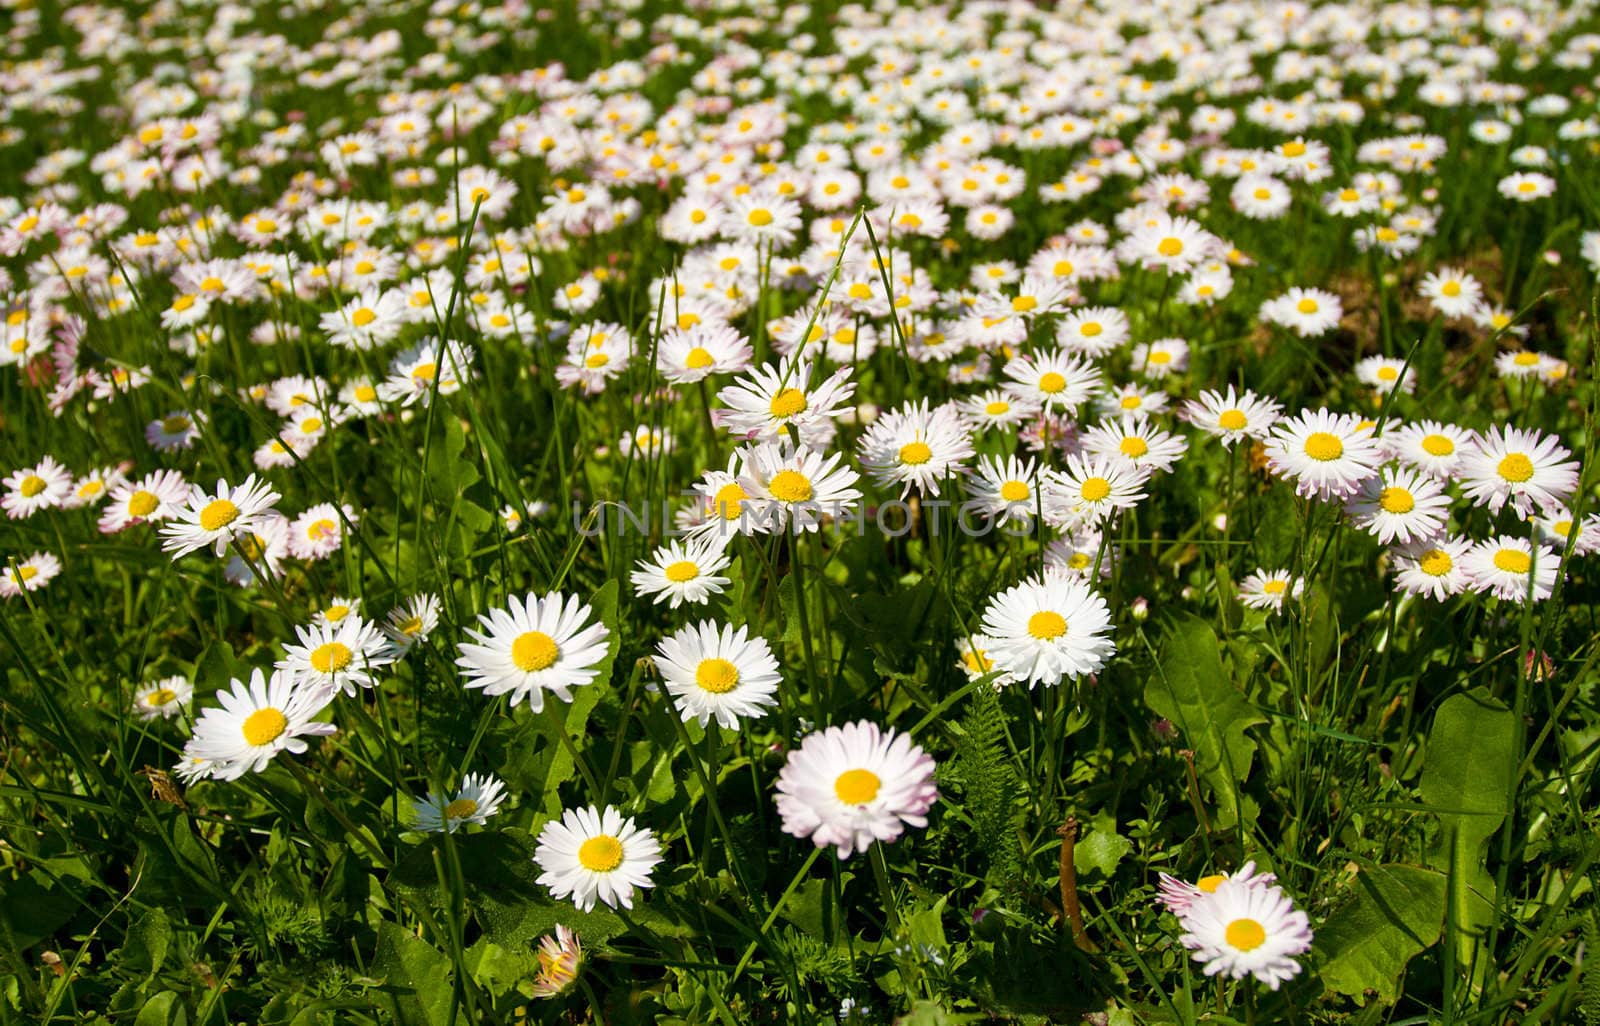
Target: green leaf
x=163 y=1010
x=1397 y=913
x=1192 y=689
x=931 y=1013
x=1101 y=848
x=416 y=978
x=145 y=947
x=1466 y=775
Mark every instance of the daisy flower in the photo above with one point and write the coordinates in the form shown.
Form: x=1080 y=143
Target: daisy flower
x=337 y=657
x=1556 y=525
x=163 y=699
x=1175 y=244
x=1523 y=363
x=260 y=550
x=687 y=355
x=1005 y=489
x=1385 y=374
x=1231 y=417
x=1090 y=490
x=1400 y=505
x=997 y=408
x=1527 y=469
x=796 y=488
x=337 y=609
x=560 y=955
x=1508 y=568
x=1093 y=331
x=1269 y=589
x=718 y=672
x=216 y=519
x=412 y=621
x=1328 y=455
x=915 y=448
x=29 y=574
x=1053 y=381
x=254 y=722
x=1177 y=895
x=845 y=787
x=1245 y=928
x=1134 y=443
x=1306 y=312
x=683 y=571
x=533 y=646
x=593 y=854
x=1451 y=291
x=1526 y=186
x=425 y=368
x=768 y=400
x=1159 y=358
x=974 y=661
x=1434 y=568
x=1049 y=628
x=172 y=433
x=479 y=797
x=319 y=531
x=43 y=486
x=93 y=487
x=155 y=497
x=1435 y=449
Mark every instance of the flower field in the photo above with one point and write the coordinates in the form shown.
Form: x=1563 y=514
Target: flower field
x=733 y=513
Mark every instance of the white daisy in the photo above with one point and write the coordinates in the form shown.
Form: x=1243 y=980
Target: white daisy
x=684 y=571
x=592 y=854
x=915 y=447
x=1509 y=568
x=718 y=672
x=256 y=721
x=339 y=657
x=1269 y=589
x=1434 y=568
x=845 y=787
x=1090 y=490
x=1245 y=928
x=479 y=797
x=1435 y=449
x=412 y=621
x=163 y=699
x=1231 y=417
x=1400 y=506
x=43 y=486
x=1049 y=628
x=1328 y=455
x=31 y=574
x=796 y=488
x=217 y=519
x=1527 y=469
x=533 y=646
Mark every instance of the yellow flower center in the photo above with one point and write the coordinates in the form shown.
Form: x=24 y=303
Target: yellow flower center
x=32 y=485
x=142 y=503
x=600 y=854
x=1131 y=402
x=175 y=425
x=1512 y=561
x=700 y=357
x=760 y=217
x=997 y=408
x=1245 y=934
x=1133 y=447
x=1022 y=304
x=1014 y=491
x=1525 y=359
x=311 y=425
x=533 y=651
x=1263 y=194
x=1306 y=306
x=1232 y=420
x=1397 y=500
x=1047 y=625
x=682 y=570
x=160 y=697
x=717 y=676
x=1323 y=447
x=1516 y=468
x=1209 y=884
x=915 y=454
x=1089 y=329
x=182 y=303
x=790 y=486
x=729 y=499
x=330 y=658
x=219 y=513
x=788 y=402
x=1094 y=489
x=461 y=808
x=411 y=626
x=264 y=726
x=1436 y=563
x=857 y=786
x=1293 y=149
x=1052 y=383
x=1437 y=445
x=1169 y=246
x=1275 y=587
x=333 y=614
x=1349 y=195
x=1451 y=289
x=363 y=317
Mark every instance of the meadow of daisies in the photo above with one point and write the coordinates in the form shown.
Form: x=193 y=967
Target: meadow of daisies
x=726 y=512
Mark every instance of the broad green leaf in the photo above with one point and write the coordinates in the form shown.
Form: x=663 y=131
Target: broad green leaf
x=1101 y=848
x=1397 y=913
x=416 y=977
x=145 y=947
x=1466 y=779
x=163 y=1010
x=1191 y=688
